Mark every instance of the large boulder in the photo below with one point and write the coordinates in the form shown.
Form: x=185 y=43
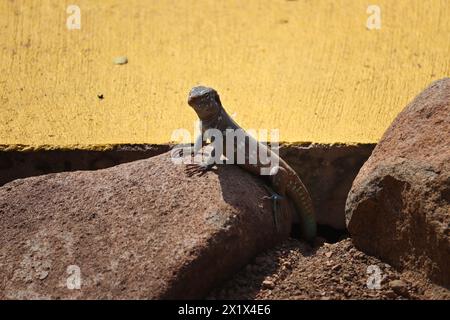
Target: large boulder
x=138 y=230
x=399 y=204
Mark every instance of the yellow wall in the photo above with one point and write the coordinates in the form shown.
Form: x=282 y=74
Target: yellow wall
x=310 y=68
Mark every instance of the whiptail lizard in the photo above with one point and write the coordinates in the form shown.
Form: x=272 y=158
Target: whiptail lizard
x=284 y=180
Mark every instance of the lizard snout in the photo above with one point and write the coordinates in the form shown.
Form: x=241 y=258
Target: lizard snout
x=198 y=94
x=191 y=100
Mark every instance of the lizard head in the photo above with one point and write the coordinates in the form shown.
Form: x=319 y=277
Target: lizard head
x=205 y=102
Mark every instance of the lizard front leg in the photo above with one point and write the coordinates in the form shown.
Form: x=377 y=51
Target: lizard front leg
x=201 y=168
x=214 y=157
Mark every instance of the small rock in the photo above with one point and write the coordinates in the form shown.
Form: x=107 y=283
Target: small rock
x=43 y=275
x=399 y=287
x=336 y=267
x=347 y=277
x=120 y=60
x=328 y=254
x=268 y=284
x=390 y=294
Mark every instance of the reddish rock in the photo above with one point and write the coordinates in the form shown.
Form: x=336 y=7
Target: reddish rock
x=138 y=230
x=399 y=205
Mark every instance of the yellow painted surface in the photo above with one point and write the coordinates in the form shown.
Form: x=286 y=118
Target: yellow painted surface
x=310 y=68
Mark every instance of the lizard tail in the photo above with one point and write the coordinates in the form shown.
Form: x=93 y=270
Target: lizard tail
x=303 y=203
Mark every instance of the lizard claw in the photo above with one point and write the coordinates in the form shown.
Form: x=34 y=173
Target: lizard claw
x=275 y=198
x=197 y=169
x=273 y=195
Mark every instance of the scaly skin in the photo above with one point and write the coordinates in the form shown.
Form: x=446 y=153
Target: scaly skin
x=285 y=181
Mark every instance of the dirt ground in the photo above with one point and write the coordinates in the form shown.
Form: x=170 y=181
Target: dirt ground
x=294 y=270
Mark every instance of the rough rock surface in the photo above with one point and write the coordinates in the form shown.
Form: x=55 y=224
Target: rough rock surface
x=138 y=230
x=399 y=205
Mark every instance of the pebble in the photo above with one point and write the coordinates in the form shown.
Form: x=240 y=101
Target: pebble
x=390 y=294
x=399 y=287
x=336 y=267
x=347 y=277
x=120 y=60
x=268 y=284
x=359 y=255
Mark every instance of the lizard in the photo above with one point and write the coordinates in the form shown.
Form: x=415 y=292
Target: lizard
x=284 y=180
